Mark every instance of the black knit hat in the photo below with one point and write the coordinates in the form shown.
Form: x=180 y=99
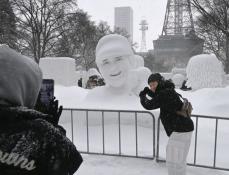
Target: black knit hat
x=155 y=77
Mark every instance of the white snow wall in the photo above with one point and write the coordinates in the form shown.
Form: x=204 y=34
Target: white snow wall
x=61 y=69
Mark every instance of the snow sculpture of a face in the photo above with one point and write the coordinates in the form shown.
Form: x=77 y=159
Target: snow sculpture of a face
x=115 y=71
x=113 y=55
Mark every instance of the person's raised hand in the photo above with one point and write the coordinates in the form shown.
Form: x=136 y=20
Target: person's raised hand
x=54 y=110
x=145 y=91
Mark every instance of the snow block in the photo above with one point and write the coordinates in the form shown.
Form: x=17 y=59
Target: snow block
x=61 y=69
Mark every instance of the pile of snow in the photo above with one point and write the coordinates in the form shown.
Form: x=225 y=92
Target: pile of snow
x=70 y=97
x=61 y=69
x=204 y=71
x=209 y=101
x=178 y=79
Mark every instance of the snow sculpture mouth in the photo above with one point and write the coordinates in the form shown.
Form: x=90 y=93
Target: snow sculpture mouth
x=117 y=74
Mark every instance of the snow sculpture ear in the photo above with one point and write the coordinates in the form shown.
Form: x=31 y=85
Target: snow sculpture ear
x=132 y=61
x=139 y=61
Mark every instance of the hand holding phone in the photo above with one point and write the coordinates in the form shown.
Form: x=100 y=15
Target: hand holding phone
x=55 y=110
x=47 y=103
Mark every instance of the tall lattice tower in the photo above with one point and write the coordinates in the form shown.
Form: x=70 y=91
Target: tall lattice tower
x=178 y=41
x=143 y=28
x=178 y=18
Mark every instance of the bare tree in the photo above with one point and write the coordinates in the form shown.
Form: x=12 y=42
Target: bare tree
x=7 y=24
x=38 y=24
x=80 y=39
x=213 y=26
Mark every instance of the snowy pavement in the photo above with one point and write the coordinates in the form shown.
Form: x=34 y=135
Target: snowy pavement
x=110 y=165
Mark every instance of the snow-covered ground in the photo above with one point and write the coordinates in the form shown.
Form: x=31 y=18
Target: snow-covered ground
x=212 y=102
x=107 y=165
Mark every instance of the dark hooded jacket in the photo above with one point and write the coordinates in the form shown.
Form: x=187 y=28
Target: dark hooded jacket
x=167 y=99
x=31 y=145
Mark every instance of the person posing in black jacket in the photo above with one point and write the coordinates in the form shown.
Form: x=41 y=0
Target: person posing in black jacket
x=31 y=142
x=162 y=94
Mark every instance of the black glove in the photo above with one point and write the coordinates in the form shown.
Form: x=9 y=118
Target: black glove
x=145 y=91
x=151 y=93
x=54 y=110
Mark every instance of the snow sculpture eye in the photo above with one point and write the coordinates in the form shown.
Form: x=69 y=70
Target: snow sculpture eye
x=117 y=59
x=105 y=62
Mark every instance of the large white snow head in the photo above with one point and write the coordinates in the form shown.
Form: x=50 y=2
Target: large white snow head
x=113 y=58
x=20 y=78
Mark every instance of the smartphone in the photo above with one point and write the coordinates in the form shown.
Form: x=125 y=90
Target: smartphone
x=46 y=93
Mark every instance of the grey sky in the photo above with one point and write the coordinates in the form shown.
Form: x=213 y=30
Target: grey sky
x=151 y=10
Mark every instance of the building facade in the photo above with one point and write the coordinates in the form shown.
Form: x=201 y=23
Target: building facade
x=124 y=20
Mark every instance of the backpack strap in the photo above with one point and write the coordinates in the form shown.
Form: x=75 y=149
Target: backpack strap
x=180 y=95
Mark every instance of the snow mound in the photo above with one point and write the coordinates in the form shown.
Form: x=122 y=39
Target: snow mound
x=70 y=97
x=204 y=71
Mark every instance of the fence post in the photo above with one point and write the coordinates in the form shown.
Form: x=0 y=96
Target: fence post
x=158 y=139
x=72 y=127
x=87 y=131
x=103 y=132
x=215 y=148
x=136 y=132
x=119 y=133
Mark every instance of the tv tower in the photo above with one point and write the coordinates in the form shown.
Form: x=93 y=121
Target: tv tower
x=178 y=41
x=144 y=27
x=178 y=18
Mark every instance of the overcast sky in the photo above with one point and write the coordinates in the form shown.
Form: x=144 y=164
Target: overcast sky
x=151 y=10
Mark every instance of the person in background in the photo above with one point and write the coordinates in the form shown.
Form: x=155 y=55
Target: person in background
x=80 y=82
x=31 y=143
x=162 y=94
x=184 y=87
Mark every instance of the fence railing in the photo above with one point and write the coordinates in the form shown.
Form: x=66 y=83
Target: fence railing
x=104 y=114
x=213 y=164
x=156 y=145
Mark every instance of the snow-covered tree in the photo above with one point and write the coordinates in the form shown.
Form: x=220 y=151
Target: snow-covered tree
x=38 y=24
x=204 y=71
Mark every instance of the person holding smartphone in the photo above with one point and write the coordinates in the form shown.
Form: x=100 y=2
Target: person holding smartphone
x=31 y=143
